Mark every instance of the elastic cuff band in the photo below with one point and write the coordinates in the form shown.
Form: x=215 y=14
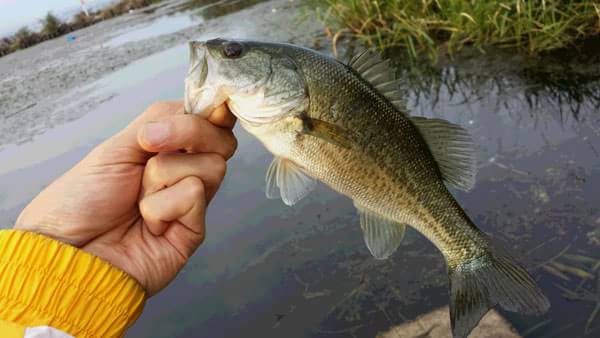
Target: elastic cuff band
x=46 y=282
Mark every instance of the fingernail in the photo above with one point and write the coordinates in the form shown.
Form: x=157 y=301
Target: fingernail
x=156 y=133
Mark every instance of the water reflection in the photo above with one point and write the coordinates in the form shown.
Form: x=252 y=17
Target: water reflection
x=270 y=270
x=161 y=26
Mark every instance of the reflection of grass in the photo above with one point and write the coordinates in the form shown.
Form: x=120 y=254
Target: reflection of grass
x=431 y=26
x=564 y=86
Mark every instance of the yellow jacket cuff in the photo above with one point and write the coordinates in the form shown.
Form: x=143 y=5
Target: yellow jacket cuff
x=44 y=282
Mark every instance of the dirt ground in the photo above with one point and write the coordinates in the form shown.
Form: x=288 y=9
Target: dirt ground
x=437 y=324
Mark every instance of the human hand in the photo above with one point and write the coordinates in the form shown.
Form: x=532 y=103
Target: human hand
x=138 y=200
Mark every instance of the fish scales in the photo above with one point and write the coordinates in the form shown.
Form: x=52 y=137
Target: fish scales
x=404 y=165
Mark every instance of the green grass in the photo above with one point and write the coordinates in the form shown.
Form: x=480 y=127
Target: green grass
x=433 y=27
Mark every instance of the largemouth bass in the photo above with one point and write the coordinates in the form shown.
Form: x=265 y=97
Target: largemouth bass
x=346 y=125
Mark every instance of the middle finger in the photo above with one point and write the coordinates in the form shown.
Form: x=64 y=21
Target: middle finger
x=166 y=169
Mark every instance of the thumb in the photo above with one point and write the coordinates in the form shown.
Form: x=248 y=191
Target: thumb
x=125 y=146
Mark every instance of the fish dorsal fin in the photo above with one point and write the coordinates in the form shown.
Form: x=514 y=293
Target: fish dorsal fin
x=452 y=149
x=382 y=236
x=286 y=179
x=380 y=74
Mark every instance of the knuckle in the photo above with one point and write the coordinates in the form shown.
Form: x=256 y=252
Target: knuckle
x=195 y=188
x=146 y=211
x=228 y=145
x=233 y=146
x=219 y=166
x=153 y=167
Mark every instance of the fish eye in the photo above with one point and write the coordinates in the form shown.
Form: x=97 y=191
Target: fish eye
x=232 y=49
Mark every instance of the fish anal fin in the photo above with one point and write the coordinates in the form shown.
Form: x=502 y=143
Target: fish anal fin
x=452 y=148
x=287 y=179
x=382 y=236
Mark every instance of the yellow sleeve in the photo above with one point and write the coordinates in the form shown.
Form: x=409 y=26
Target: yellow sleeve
x=44 y=282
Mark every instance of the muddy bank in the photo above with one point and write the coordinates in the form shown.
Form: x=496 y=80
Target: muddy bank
x=437 y=324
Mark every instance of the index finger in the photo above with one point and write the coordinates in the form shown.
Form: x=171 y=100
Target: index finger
x=188 y=132
x=128 y=137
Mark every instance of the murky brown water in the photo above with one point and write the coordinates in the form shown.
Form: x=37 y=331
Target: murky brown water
x=273 y=271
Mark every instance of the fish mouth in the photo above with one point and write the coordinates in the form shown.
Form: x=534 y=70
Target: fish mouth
x=196 y=76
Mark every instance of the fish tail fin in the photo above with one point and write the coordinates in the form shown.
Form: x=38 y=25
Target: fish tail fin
x=479 y=284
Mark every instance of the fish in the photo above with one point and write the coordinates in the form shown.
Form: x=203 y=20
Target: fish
x=347 y=125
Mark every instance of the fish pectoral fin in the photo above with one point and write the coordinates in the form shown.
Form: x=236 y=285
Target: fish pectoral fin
x=379 y=73
x=382 y=236
x=452 y=149
x=287 y=179
x=326 y=131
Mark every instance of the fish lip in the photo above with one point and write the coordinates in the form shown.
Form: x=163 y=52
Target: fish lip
x=198 y=61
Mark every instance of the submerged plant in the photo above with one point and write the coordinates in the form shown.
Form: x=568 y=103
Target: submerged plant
x=585 y=269
x=434 y=26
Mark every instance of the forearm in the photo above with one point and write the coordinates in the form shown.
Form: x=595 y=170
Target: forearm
x=44 y=282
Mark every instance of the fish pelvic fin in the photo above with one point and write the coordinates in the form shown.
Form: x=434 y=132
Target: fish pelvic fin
x=288 y=180
x=479 y=284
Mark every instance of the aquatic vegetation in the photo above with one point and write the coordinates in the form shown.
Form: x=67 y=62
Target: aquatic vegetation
x=443 y=27
x=586 y=269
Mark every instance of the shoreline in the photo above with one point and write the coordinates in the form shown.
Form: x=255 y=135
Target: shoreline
x=47 y=85
x=54 y=28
